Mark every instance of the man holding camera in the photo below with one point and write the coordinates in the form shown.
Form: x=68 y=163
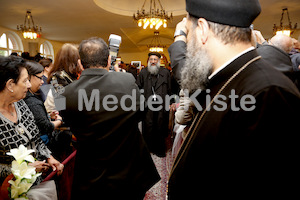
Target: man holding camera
x=112 y=160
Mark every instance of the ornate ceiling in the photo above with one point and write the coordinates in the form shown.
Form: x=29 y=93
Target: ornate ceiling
x=75 y=20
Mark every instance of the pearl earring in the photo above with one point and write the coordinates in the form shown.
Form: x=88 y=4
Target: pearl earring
x=11 y=90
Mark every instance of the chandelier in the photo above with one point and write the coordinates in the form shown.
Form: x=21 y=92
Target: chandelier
x=29 y=30
x=284 y=29
x=155 y=45
x=154 y=18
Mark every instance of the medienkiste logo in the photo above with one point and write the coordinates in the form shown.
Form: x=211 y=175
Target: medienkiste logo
x=56 y=91
x=94 y=101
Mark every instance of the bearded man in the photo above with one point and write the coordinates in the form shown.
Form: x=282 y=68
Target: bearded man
x=235 y=152
x=155 y=82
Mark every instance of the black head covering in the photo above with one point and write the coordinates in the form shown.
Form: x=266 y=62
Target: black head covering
x=155 y=54
x=239 y=13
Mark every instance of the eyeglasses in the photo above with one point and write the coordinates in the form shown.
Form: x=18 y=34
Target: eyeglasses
x=41 y=78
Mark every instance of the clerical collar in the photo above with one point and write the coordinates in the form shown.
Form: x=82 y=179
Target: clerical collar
x=230 y=61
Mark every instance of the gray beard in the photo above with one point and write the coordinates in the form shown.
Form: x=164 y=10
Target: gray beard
x=153 y=69
x=197 y=67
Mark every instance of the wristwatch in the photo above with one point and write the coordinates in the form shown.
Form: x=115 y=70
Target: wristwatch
x=178 y=33
x=60 y=120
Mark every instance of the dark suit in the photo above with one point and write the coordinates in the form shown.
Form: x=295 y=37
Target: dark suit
x=177 y=58
x=112 y=160
x=295 y=58
x=279 y=59
x=242 y=154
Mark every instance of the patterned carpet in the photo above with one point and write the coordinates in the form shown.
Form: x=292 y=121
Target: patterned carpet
x=163 y=166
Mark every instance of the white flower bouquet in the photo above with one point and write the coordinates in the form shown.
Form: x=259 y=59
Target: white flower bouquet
x=24 y=174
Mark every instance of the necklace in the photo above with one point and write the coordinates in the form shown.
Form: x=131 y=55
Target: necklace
x=11 y=113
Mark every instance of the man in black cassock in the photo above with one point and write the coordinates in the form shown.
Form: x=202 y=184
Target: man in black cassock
x=156 y=83
x=232 y=150
x=112 y=160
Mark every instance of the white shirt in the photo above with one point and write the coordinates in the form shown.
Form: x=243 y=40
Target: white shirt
x=230 y=61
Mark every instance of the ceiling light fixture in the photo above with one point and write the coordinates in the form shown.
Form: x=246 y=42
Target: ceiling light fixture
x=156 y=45
x=284 y=29
x=154 y=18
x=29 y=30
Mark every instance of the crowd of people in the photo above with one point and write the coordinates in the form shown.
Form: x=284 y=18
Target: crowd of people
x=234 y=118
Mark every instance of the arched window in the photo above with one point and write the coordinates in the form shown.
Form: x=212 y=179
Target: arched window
x=10 y=42
x=46 y=50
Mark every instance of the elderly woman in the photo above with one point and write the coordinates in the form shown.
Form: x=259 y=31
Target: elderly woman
x=17 y=125
x=36 y=105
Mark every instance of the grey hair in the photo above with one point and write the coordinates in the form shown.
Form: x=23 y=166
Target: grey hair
x=283 y=42
x=227 y=34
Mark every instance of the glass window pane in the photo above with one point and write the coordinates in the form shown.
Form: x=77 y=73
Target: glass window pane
x=10 y=44
x=12 y=41
x=42 y=49
x=3 y=52
x=46 y=49
x=3 y=41
x=18 y=52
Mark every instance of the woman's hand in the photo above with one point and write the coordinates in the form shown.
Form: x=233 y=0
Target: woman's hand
x=53 y=114
x=56 y=165
x=41 y=166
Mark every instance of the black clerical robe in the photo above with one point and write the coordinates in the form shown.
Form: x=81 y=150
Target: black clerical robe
x=241 y=154
x=155 y=123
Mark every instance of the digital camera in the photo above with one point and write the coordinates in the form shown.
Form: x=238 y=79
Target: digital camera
x=114 y=45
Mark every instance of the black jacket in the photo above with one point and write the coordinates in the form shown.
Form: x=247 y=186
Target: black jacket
x=177 y=57
x=40 y=114
x=295 y=58
x=112 y=161
x=278 y=59
x=242 y=154
x=162 y=86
